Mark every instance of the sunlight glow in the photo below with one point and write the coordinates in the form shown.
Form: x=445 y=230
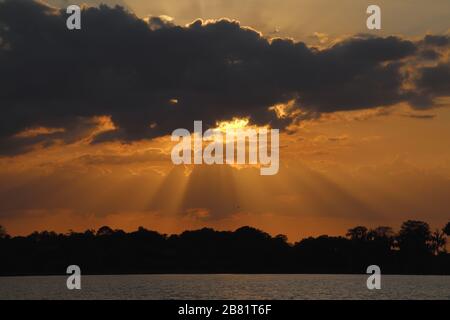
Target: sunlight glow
x=235 y=123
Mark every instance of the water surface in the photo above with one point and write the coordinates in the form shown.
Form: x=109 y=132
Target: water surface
x=226 y=287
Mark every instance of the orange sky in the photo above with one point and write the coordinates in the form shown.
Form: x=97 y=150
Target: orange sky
x=369 y=167
x=341 y=170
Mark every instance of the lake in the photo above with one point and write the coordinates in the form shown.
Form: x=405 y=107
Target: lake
x=226 y=286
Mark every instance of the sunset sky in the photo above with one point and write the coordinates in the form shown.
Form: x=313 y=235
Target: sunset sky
x=87 y=115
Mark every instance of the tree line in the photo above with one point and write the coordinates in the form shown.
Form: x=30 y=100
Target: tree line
x=414 y=249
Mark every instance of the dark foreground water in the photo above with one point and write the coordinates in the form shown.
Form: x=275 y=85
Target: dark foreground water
x=226 y=287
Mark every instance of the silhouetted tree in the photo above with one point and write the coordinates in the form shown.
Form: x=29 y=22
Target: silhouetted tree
x=382 y=237
x=446 y=229
x=357 y=233
x=282 y=238
x=89 y=233
x=438 y=241
x=105 y=231
x=246 y=250
x=2 y=232
x=381 y=232
x=414 y=237
x=119 y=232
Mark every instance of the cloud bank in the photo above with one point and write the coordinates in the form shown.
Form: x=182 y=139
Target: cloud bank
x=153 y=76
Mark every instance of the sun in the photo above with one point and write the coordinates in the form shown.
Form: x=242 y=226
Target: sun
x=234 y=124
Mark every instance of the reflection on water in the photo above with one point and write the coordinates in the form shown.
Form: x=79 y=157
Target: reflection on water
x=226 y=287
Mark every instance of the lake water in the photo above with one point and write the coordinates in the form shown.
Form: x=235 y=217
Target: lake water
x=226 y=287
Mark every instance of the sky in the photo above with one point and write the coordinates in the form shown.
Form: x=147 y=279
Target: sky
x=87 y=115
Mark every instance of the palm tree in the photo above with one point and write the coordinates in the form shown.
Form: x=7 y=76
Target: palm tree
x=446 y=229
x=438 y=241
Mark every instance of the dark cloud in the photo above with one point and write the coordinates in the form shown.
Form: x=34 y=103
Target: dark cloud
x=437 y=40
x=420 y=116
x=134 y=71
x=430 y=54
x=435 y=80
x=66 y=3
